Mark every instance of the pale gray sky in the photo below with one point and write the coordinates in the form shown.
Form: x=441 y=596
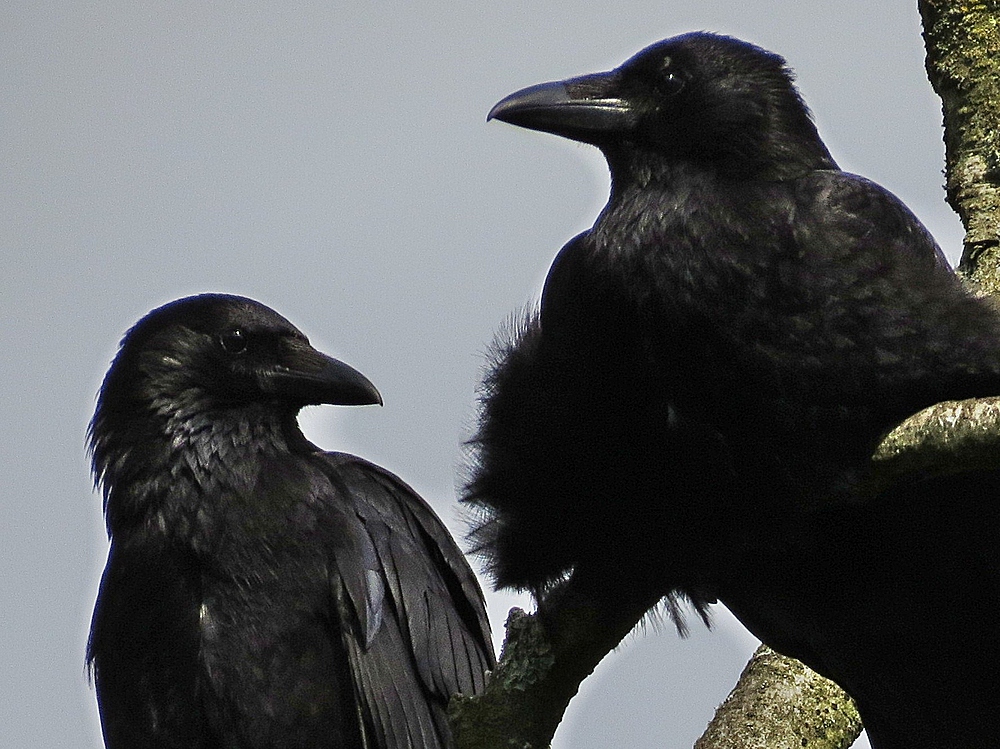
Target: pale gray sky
x=333 y=161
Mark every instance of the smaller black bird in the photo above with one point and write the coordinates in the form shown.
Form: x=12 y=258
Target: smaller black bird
x=260 y=593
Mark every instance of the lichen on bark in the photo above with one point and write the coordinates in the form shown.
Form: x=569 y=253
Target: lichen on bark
x=963 y=64
x=778 y=703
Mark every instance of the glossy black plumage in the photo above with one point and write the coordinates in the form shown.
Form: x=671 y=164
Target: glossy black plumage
x=692 y=410
x=260 y=592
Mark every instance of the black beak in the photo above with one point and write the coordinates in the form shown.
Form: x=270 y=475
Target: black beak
x=587 y=109
x=311 y=377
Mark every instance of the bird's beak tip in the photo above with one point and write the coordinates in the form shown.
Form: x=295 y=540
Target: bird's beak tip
x=367 y=393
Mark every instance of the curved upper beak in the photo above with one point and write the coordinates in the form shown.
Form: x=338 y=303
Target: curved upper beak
x=312 y=377
x=587 y=108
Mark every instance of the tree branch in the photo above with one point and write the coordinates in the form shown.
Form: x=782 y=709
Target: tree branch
x=545 y=658
x=963 y=65
x=780 y=704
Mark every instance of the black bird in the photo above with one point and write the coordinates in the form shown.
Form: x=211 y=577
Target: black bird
x=692 y=411
x=260 y=592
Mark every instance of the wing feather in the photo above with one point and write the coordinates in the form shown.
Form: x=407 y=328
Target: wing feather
x=415 y=629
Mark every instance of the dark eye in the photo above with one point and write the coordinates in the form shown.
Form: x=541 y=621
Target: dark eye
x=671 y=81
x=233 y=341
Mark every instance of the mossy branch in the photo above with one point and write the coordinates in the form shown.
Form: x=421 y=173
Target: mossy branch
x=781 y=704
x=963 y=64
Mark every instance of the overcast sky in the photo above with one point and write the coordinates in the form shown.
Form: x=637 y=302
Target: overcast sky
x=333 y=161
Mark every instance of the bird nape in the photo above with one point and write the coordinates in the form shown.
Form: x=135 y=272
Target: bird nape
x=691 y=411
x=260 y=593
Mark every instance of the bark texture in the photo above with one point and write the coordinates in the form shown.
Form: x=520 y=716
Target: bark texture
x=780 y=704
x=963 y=64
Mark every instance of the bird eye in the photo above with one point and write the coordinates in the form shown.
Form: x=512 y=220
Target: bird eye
x=671 y=83
x=233 y=341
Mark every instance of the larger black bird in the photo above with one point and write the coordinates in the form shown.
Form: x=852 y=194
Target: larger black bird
x=692 y=411
x=260 y=593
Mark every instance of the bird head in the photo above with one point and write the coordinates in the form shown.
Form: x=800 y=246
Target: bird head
x=206 y=364
x=227 y=351
x=699 y=98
